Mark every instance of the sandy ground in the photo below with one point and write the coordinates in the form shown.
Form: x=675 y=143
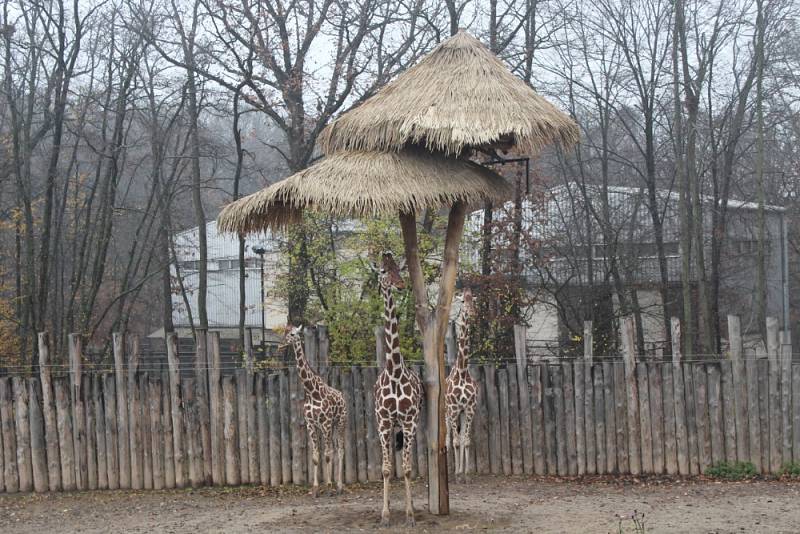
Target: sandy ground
x=509 y=504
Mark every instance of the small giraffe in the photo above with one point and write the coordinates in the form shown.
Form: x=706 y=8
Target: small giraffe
x=324 y=410
x=398 y=392
x=462 y=392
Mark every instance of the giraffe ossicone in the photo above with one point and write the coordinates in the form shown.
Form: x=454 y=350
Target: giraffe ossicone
x=325 y=413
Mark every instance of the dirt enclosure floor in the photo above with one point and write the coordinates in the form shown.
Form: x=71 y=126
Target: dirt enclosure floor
x=508 y=504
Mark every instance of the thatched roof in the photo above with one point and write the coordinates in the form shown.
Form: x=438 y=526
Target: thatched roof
x=365 y=184
x=458 y=96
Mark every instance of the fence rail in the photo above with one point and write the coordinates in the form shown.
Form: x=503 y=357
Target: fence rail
x=138 y=429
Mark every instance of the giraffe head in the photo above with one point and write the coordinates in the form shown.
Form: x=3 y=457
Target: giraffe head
x=293 y=334
x=467 y=305
x=389 y=273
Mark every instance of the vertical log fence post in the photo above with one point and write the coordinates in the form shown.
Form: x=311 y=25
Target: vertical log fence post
x=78 y=412
x=250 y=398
x=634 y=425
x=786 y=394
x=49 y=412
x=739 y=388
x=588 y=343
x=176 y=409
x=380 y=348
x=215 y=404
x=323 y=349
x=121 y=404
x=678 y=384
x=521 y=354
x=24 y=466
x=451 y=350
x=201 y=362
x=773 y=398
x=134 y=418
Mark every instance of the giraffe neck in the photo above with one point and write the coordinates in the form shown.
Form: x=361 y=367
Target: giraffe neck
x=391 y=335
x=463 y=341
x=307 y=374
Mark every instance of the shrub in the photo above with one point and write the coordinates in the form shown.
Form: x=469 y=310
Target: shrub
x=791 y=469
x=732 y=470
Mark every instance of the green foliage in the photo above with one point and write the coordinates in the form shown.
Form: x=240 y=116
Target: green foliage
x=791 y=469
x=341 y=288
x=732 y=470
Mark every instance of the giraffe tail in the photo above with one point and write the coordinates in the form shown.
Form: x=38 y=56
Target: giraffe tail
x=398 y=440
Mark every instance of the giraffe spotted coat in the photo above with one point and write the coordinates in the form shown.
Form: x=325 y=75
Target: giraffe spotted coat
x=325 y=413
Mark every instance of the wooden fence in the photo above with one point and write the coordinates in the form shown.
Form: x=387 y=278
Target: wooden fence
x=133 y=428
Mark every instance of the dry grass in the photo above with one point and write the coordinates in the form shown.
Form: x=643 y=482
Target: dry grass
x=458 y=96
x=365 y=184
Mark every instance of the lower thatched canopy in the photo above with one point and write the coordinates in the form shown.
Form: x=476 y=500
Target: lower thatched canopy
x=365 y=184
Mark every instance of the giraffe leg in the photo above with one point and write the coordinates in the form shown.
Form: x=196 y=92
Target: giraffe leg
x=340 y=430
x=312 y=438
x=466 y=439
x=409 y=433
x=387 y=446
x=329 y=459
x=451 y=441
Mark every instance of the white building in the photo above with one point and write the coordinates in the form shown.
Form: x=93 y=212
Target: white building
x=223 y=282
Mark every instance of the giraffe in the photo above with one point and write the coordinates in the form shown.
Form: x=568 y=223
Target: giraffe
x=398 y=392
x=462 y=392
x=325 y=412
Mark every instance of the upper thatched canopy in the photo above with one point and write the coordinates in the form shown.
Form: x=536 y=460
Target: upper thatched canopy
x=364 y=184
x=458 y=96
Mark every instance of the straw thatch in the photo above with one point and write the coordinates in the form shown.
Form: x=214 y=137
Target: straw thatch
x=365 y=184
x=459 y=96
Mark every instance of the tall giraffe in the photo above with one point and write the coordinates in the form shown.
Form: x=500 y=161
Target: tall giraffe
x=462 y=392
x=398 y=392
x=324 y=410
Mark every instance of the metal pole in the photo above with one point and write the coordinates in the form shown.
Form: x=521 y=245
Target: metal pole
x=785 y=270
x=263 y=307
x=261 y=251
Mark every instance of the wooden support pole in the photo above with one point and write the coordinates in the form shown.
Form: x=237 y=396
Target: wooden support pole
x=49 y=414
x=78 y=412
x=176 y=409
x=121 y=404
x=166 y=424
